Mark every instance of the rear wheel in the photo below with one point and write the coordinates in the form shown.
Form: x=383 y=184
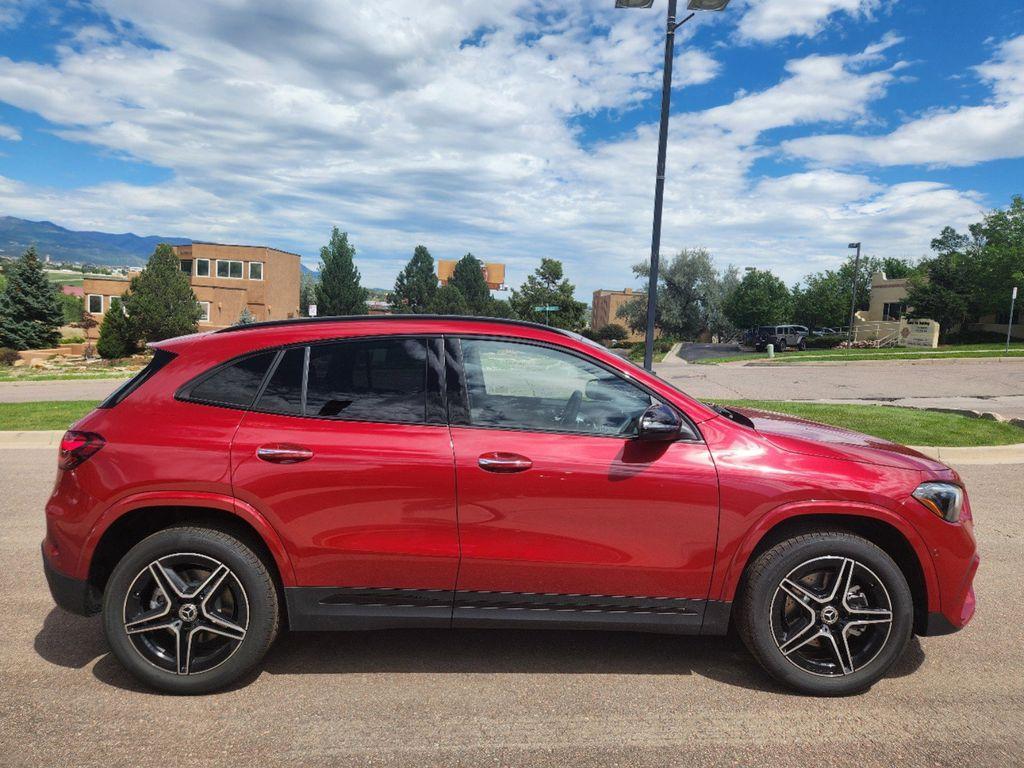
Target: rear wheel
x=782 y=345
x=802 y=345
x=826 y=613
x=190 y=609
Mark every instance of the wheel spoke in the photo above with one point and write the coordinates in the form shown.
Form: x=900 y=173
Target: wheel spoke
x=799 y=592
x=221 y=626
x=149 y=624
x=168 y=581
x=842 y=651
x=183 y=649
x=843 y=580
x=802 y=638
x=209 y=588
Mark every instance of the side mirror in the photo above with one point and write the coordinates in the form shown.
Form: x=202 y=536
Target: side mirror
x=659 y=423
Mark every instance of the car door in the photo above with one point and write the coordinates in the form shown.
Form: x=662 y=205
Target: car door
x=347 y=454
x=563 y=515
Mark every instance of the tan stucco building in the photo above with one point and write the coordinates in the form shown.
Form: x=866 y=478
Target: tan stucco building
x=604 y=309
x=226 y=279
x=494 y=274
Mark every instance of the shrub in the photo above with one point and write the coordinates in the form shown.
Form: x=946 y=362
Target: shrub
x=117 y=337
x=73 y=340
x=611 y=332
x=8 y=356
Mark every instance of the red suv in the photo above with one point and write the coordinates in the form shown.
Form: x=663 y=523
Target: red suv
x=364 y=473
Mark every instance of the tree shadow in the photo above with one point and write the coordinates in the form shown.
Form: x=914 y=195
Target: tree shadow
x=74 y=642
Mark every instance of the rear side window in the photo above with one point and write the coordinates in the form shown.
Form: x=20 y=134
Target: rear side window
x=378 y=380
x=235 y=384
x=284 y=390
x=160 y=359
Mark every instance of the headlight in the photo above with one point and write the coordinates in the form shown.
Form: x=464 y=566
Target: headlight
x=944 y=499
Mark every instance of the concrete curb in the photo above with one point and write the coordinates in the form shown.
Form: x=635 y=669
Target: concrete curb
x=988 y=454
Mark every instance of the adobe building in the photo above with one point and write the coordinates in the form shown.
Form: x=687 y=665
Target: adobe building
x=604 y=309
x=226 y=279
x=494 y=274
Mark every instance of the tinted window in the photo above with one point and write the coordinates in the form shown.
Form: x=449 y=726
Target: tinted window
x=521 y=386
x=235 y=384
x=284 y=390
x=379 y=380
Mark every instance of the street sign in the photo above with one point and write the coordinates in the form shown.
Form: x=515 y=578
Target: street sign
x=312 y=310
x=546 y=309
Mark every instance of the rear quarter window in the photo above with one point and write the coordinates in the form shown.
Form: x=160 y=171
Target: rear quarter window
x=235 y=384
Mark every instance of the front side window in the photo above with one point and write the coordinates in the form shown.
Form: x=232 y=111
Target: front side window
x=234 y=384
x=232 y=269
x=255 y=270
x=95 y=304
x=523 y=386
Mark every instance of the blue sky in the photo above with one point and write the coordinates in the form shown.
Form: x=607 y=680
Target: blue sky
x=514 y=130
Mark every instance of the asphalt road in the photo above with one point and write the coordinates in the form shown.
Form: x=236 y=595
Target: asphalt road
x=81 y=389
x=489 y=698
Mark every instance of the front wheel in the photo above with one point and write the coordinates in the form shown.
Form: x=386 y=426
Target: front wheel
x=802 y=345
x=190 y=609
x=782 y=345
x=826 y=613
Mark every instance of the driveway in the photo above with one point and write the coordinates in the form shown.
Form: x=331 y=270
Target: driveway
x=979 y=384
x=506 y=698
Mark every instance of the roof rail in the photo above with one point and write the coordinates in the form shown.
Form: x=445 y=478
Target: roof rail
x=375 y=318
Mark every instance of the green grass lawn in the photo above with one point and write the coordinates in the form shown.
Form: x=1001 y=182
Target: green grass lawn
x=56 y=414
x=901 y=425
x=909 y=426
x=886 y=353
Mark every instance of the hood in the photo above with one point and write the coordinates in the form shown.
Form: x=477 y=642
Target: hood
x=809 y=438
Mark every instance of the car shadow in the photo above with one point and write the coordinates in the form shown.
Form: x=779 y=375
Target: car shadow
x=74 y=642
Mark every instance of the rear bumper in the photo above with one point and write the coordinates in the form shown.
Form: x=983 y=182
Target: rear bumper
x=69 y=593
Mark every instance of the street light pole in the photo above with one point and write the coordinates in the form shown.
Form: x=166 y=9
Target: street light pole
x=659 y=185
x=853 y=289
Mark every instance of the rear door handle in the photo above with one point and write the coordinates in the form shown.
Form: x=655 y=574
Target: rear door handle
x=283 y=453
x=498 y=461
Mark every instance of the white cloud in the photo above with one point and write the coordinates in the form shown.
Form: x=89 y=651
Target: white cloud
x=454 y=125
x=9 y=133
x=960 y=136
x=770 y=20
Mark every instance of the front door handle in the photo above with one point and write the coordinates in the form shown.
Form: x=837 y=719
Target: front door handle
x=497 y=461
x=283 y=453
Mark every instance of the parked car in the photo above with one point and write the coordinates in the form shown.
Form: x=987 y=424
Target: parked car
x=416 y=471
x=781 y=336
x=825 y=331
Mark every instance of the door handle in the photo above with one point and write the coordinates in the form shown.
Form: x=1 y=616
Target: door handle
x=283 y=453
x=497 y=461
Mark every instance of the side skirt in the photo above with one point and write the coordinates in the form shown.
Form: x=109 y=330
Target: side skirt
x=365 y=608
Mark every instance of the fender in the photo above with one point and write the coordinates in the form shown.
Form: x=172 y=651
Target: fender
x=170 y=498
x=803 y=508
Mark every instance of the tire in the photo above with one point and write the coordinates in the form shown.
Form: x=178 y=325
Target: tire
x=802 y=345
x=825 y=654
x=222 y=616
x=782 y=345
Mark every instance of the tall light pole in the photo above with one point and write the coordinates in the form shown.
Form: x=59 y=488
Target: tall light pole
x=853 y=288
x=659 y=184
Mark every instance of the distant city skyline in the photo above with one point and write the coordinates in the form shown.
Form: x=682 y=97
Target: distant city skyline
x=515 y=130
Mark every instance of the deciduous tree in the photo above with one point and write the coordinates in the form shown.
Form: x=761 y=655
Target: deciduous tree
x=760 y=299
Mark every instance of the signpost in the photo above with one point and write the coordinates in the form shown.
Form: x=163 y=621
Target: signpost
x=1009 y=322
x=546 y=310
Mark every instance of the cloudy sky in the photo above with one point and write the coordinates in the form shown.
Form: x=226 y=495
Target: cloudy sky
x=514 y=129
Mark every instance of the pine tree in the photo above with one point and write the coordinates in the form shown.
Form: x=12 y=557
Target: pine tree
x=416 y=285
x=548 y=287
x=449 y=301
x=160 y=302
x=246 y=317
x=30 y=310
x=118 y=338
x=468 y=277
x=339 y=291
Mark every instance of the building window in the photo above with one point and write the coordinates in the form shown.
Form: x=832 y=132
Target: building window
x=893 y=311
x=255 y=270
x=186 y=266
x=202 y=267
x=232 y=269
x=205 y=317
x=95 y=304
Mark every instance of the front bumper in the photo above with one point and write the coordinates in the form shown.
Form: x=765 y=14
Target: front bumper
x=69 y=593
x=955 y=613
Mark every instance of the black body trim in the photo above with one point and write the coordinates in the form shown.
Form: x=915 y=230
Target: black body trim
x=71 y=594
x=363 y=608
x=938 y=624
x=391 y=318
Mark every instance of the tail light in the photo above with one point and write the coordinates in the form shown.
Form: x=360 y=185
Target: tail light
x=76 y=447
